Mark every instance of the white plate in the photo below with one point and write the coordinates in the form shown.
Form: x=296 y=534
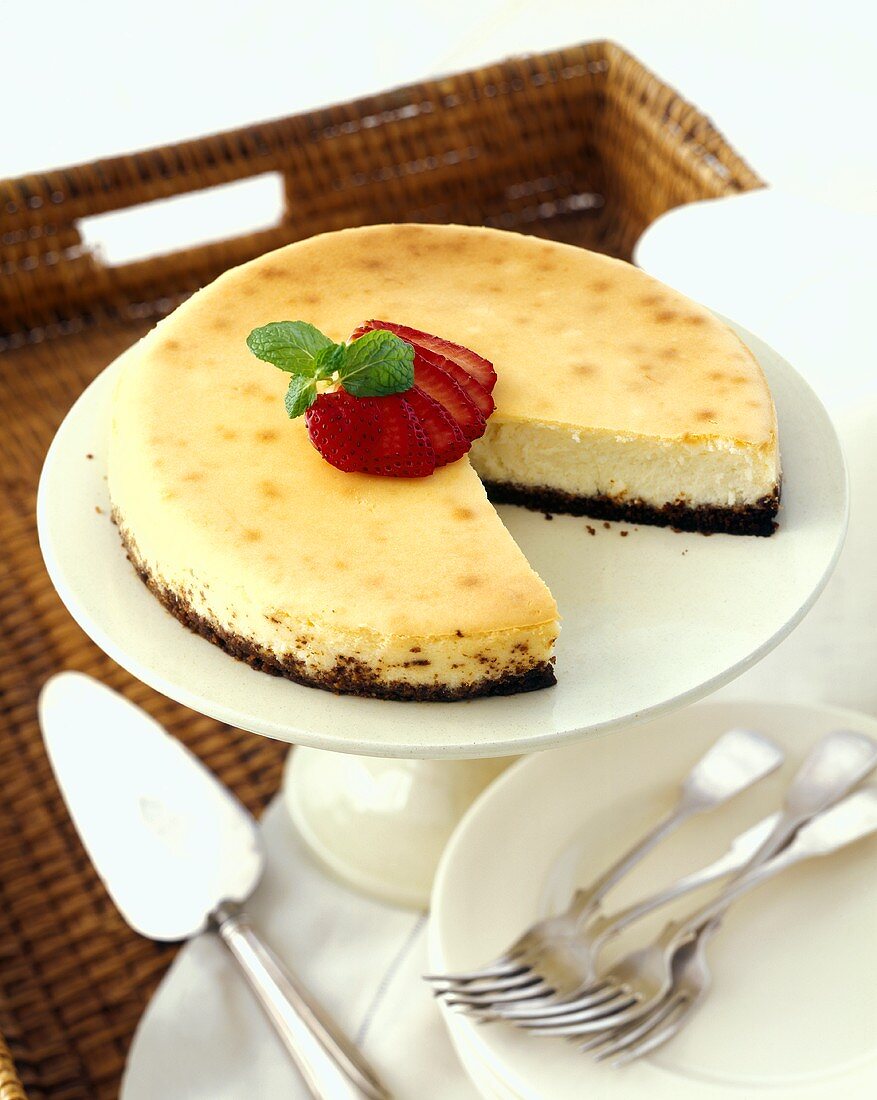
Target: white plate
x=480 y=1074
x=651 y=621
x=488 y=1087
x=794 y=1005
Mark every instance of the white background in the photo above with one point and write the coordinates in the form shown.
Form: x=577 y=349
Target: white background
x=793 y=83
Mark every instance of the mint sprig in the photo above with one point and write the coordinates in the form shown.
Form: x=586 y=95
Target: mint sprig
x=300 y=395
x=329 y=360
x=292 y=346
x=377 y=364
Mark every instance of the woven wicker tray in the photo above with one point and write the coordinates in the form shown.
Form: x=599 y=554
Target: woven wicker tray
x=582 y=145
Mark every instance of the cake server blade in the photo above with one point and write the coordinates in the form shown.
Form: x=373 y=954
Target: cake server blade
x=168 y=840
x=179 y=855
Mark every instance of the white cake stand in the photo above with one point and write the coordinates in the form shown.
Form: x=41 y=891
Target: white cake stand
x=651 y=622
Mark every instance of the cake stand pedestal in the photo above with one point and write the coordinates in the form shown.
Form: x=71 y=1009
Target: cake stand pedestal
x=651 y=622
x=381 y=825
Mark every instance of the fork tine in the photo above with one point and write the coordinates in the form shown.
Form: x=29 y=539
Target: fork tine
x=536 y=988
x=558 y=1006
x=629 y=1036
x=603 y=1011
x=485 y=995
x=506 y=1011
x=656 y=1037
x=495 y=985
x=622 y=1013
x=610 y=997
x=596 y=1040
x=583 y=1008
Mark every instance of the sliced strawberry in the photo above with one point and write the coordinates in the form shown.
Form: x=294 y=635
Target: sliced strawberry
x=476 y=365
x=476 y=393
x=445 y=434
x=439 y=385
x=469 y=383
x=370 y=435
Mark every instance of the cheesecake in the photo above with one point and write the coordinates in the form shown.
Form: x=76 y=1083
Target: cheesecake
x=615 y=397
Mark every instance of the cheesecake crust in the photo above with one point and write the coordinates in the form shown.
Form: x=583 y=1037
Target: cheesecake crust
x=349 y=675
x=745 y=519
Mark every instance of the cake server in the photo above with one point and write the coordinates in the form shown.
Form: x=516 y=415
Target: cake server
x=179 y=856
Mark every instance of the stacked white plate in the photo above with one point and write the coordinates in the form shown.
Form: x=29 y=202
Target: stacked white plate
x=794 y=1004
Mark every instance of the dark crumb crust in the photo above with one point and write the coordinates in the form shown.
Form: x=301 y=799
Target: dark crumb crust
x=747 y=519
x=349 y=676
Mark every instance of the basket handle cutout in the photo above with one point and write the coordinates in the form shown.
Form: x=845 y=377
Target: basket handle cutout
x=180 y=223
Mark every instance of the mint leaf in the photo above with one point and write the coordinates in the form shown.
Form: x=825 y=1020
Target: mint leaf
x=300 y=395
x=377 y=364
x=328 y=360
x=290 y=345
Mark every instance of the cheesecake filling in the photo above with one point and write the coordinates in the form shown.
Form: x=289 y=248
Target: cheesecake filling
x=698 y=472
x=313 y=650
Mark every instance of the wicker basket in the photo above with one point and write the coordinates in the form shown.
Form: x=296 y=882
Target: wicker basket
x=582 y=145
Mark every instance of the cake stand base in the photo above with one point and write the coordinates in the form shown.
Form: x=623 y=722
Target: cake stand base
x=379 y=824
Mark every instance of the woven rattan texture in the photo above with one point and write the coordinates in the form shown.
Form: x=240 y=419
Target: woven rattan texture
x=581 y=145
x=73 y=978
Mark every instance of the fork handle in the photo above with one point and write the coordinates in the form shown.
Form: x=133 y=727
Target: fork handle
x=768 y=859
x=737 y=858
x=333 y=1069
x=714 y=910
x=588 y=896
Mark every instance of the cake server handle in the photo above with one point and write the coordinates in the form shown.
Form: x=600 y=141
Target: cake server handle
x=330 y=1064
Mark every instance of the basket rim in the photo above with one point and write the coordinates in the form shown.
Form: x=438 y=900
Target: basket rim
x=26 y=196
x=53 y=283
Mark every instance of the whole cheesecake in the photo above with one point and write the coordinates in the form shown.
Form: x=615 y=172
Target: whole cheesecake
x=616 y=397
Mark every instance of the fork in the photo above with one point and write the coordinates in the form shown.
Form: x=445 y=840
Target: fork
x=637 y=982
x=691 y=983
x=833 y=766
x=848 y=821
x=589 y=939
x=735 y=761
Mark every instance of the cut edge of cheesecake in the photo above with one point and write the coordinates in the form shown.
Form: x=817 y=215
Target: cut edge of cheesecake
x=348 y=674
x=699 y=483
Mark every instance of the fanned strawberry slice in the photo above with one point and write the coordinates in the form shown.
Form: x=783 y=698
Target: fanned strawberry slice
x=439 y=385
x=444 y=432
x=370 y=435
x=477 y=393
x=476 y=365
